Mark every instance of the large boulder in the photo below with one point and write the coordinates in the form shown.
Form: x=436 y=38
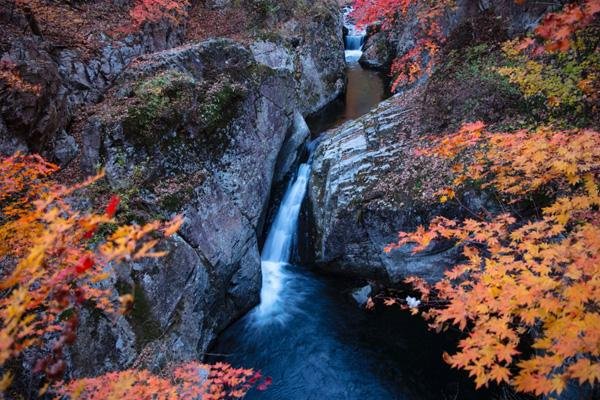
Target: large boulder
x=312 y=49
x=196 y=130
x=377 y=50
x=368 y=183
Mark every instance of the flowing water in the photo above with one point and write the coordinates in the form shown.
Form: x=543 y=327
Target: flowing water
x=354 y=40
x=308 y=334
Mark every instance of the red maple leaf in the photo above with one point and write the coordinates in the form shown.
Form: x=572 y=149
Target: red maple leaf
x=111 y=208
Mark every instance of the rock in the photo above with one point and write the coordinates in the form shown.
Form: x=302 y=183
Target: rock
x=377 y=50
x=313 y=50
x=66 y=80
x=291 y=150
x=203 y=130
x=65 y=148
x=367 y=184
x=215 y=145
x=478 y=19
x=361 y=295
x=273 y=55
x=33 y=118
x=10 y=144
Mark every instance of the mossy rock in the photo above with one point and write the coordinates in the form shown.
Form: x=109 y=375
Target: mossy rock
x=171 y=102
x=158 y=105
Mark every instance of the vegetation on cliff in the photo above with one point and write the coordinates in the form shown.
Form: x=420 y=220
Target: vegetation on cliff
x=526 y=295
x=56 y=258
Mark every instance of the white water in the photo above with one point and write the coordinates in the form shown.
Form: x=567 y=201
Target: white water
x=354 y=39
x=278 y=247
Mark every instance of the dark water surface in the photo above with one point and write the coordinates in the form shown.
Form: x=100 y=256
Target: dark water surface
x=364 y=90
x=316 y=343
x=324 y=347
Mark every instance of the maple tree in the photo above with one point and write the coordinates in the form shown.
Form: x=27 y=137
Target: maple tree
x=191 y=380
x=144 y=11
x=555 y=31
x=527 y=293
x=539 y=277
x=418 y=60
x=54 y=260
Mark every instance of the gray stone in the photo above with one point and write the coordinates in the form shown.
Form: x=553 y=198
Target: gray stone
x=65 y=148
x=211 y=275
x=367 y=184
x=361 y=295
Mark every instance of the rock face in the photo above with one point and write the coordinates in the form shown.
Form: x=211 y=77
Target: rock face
x=66 y=81
x=367 y=184
x=381 y=47
x=209 y=152
x=377 y=50
x=311 y=48
x=203 y=129
x=313 y=52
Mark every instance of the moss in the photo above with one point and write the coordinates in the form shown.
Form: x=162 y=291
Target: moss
x=158 y=103
x=146 y=328
x=173 y=202
x=467 y=87
x=216 y=110
x=265 y=8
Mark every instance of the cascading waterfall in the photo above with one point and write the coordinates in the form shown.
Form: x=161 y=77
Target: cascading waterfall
x=354 y=39
x=306 y=333
x=278 y=247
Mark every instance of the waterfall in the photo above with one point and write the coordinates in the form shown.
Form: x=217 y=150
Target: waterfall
x=354 y=39
x=278 y=247
x=354 y=42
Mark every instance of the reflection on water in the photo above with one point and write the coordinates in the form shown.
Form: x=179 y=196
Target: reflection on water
x=365 y=89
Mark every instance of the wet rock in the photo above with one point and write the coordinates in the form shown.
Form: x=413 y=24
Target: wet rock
x=292 y=148
x=377 y=50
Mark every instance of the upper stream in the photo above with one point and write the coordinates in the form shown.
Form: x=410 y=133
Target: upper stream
x=308 y=334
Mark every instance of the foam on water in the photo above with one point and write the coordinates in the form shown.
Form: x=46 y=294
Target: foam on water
x=354 y=40
x=278 y=247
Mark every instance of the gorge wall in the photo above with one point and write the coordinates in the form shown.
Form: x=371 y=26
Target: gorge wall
x=368 y=183
x=180 y=126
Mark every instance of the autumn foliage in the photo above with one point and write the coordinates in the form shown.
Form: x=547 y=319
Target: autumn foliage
x=54 y=258
x=554 y=33
x=526 y=293
x=192 y=380
x=536 y=279
x=418 y=60
x=145 y=11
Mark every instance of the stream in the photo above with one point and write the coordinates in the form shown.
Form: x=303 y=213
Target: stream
x=307 y=333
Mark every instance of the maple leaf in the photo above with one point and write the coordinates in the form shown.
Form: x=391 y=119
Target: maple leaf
x=112 y=206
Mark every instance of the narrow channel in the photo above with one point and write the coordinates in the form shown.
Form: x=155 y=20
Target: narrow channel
x=307 y=333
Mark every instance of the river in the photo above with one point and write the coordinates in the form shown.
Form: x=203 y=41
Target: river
x=308 y=334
